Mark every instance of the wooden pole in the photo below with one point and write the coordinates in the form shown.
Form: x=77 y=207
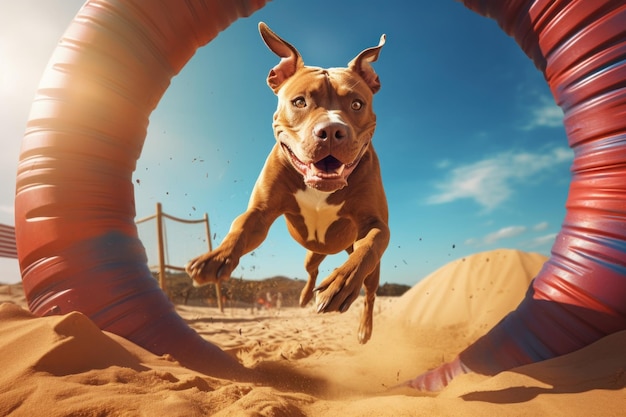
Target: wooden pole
x=161 y=248
x=208 y=231
x=218 y=287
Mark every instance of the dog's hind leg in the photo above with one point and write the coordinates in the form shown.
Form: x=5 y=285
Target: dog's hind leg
x=312 y=261
x=367 y=318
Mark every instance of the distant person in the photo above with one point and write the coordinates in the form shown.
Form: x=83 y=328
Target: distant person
x=268 y=300
x=279 y=300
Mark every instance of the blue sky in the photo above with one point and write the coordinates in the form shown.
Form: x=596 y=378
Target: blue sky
x=472 y=147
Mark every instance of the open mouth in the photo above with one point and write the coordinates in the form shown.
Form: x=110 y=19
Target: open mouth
x=327 y=174
x=329 y=166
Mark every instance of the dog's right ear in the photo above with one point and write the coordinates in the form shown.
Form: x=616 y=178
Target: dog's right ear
x=290 y=59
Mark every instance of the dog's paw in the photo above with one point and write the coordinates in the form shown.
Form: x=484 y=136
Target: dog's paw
x=210 y=268
x=337 y=292
x=365 y=329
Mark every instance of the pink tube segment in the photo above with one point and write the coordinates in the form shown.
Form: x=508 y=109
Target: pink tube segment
x=77 y=241
x=580 y=294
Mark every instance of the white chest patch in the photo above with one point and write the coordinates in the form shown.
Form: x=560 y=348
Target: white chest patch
x=317 y=213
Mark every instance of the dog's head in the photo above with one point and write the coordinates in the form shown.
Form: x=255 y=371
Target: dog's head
x=324 y=121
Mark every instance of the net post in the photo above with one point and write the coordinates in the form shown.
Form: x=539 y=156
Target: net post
x=161 y=248
x=218 y=288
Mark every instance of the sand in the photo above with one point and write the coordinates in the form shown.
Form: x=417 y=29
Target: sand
x=66 y=366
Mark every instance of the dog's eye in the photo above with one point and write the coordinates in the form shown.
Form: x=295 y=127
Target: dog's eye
x=356 y=104
x=299 y=102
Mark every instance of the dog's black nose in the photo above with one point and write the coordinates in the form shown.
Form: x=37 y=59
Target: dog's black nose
x=330 y=130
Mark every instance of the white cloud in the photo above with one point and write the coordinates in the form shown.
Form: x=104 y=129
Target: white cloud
x=545 y=114
x=542 y=240
x=493 y=237
x=478 y=181
x=489 y=182
x=504 y=233
x=444 y=163
x=509 y=232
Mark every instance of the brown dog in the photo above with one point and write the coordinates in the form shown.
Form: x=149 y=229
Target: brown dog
x=323 y=176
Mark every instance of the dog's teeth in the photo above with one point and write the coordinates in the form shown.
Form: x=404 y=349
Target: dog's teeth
x=341 y=168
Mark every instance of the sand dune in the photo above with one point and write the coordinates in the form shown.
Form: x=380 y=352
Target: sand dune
x=66 y=366
x=471 y=293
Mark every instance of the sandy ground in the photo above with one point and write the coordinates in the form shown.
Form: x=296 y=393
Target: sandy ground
x=66 y=366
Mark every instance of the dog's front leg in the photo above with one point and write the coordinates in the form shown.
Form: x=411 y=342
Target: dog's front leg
x=339 y=290
x=312 y=262
x=246 y=233
x=367 y=316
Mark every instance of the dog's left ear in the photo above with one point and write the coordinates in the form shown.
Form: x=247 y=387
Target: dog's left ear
x=290 y=59
x=362 y=65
